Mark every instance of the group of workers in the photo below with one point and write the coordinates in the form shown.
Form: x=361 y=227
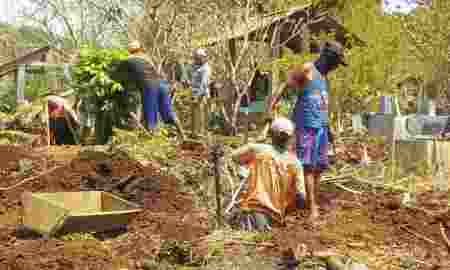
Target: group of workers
x=146 y=91
x=279 y=177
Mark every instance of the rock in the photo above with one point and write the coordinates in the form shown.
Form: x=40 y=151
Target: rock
x=104 y=167
x=97 y=152
x=123 y=182
x=14 y=136
x=143 y=183
x=133 y=185
x=103 y=152
x=335 y=263
x=147 y=264
x=342 y=263
x=93 y=182
x=358 y=266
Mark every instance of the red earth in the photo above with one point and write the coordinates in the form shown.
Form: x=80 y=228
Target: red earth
x=371 y=226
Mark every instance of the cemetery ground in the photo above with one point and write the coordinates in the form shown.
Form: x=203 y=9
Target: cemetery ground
x=177 y=227
x=364 y=214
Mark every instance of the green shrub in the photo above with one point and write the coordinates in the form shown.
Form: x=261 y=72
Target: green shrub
x=92 y=74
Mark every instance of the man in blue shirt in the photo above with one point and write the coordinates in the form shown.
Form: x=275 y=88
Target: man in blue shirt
x=311 y=116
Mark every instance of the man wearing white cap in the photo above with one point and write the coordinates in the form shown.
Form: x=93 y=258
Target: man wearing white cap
x=200 y=92
x=275 y=177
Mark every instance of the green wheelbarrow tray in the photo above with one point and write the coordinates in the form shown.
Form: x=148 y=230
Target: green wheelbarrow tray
x=69 y=212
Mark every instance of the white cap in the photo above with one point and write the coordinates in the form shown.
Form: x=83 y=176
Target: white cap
x=200 y=52
x=283 y=125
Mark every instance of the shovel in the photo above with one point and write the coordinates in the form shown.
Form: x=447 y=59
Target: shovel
x=235 y=196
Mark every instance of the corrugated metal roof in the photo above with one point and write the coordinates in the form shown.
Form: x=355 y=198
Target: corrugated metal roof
x=253 y=25
x=67 y=56
x=262 y=27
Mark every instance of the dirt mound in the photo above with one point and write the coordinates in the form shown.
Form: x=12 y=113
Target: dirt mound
x=10 y=156
x=168 y=214
x=54 y=254
x=373 y=226
x=193 y=149
x=354 y=152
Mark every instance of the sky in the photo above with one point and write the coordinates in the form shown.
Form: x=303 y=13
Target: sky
x=400 y=6
x=9 y=9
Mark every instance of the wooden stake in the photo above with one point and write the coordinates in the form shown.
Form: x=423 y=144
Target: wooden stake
x=216 y=157
x=45 y=172
x=444 y=236
x=47 y=123
x=422 y=237
x=47 y=132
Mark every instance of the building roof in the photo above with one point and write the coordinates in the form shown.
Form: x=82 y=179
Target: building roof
x=28 y=56
x=12 y=65
x=262 y=28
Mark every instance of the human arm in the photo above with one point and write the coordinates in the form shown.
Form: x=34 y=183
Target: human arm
x=243 y=155
x=275 y=97
x=204 y=83
x=297 y=77
x=76 y=103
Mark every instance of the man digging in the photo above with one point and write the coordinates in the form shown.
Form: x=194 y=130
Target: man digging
x=154 y=88
x=274 y=179
x=311 y=116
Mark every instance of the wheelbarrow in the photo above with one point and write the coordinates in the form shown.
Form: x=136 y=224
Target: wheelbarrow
x=68 y=212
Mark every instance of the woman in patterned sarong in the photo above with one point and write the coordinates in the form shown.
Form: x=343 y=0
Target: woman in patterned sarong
x=63 y=122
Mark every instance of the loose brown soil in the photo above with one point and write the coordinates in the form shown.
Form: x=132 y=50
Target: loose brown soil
x=167 y=214
x=373 y=226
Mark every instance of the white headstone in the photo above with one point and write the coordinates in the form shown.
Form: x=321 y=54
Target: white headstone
x=20 y=84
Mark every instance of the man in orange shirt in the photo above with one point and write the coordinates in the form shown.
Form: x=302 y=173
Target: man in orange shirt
x=274 y=177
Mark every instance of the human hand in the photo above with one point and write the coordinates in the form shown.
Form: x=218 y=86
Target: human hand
x=185 y=83
x=273 y=103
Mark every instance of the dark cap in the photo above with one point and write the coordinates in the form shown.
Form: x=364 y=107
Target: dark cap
x=336 y=48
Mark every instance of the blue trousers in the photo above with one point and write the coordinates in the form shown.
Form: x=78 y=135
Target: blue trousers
x=61 y=130
x=156 y=100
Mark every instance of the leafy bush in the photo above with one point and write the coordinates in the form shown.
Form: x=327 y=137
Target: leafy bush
x=35 y=87
x=7 y=96
x=92 y=74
